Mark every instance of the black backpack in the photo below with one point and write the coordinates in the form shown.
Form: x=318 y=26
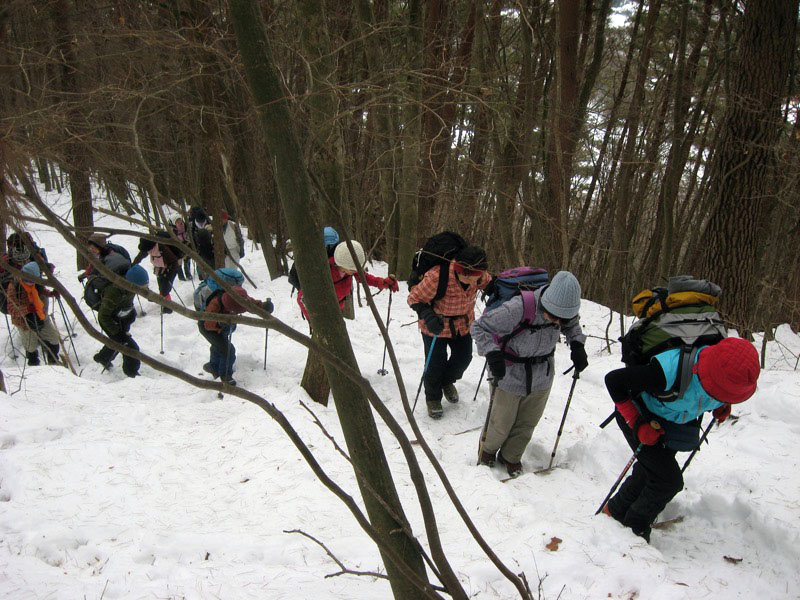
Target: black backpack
x=438 y=250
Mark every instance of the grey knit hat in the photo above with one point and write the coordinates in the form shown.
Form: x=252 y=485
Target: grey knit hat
x=562 y=297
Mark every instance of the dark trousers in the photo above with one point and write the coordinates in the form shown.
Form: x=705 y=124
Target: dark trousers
x=130 y=365
x=166 y=278
x=654 y=480
x=443 y=370
x=222 y=353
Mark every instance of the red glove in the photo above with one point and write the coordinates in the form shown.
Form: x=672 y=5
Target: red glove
x=722 y=413
x=648 y=433
x=389 y=282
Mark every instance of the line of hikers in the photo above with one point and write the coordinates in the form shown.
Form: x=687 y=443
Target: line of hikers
x=677 y=366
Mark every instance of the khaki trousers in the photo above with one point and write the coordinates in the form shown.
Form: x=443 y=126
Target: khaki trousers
x=512 y=422
x=31 y=338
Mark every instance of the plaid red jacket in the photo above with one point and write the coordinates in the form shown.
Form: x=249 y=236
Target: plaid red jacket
x=457 y=305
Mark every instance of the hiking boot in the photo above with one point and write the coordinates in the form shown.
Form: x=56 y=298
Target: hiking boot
x=451 y=393
x=106 y=364
x=488 y=458
x=210 y=370
x=51 y=354
x=33 y=358
x=435 y=409
x=514 y=468
x=228 y=380
x=166 y=311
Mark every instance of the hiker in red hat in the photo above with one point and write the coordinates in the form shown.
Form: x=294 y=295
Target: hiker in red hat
x=723 y=374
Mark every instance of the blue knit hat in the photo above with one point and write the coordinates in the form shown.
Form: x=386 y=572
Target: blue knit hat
x=562 y=298
x=31 y=268
x=331 y=236
x=137 y=275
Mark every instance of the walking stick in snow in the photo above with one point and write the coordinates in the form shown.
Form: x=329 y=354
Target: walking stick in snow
x=575 y=378
x=382 y=370
x=486 y=423
x=424 y=370
x=162 y=332
x=700 y=443
x=142 y=313
x=266 y=341
x=619 y=479
x=70 y=332
x=11 y=339
x=480 y=380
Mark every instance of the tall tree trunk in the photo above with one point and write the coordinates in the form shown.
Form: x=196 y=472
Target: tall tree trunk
x=742 y=170
x=401 y=556
x=77 y=172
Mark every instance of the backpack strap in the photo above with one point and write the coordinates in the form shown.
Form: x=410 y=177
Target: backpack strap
x=684 y=375
x=441 y=287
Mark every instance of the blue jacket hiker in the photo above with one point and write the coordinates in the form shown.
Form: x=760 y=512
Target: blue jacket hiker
x=522 y=367
x=723 y=374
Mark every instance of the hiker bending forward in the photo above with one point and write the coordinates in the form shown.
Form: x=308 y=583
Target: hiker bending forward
x=444 y=323
x=344 y=270
x=222 y=354
x=521 y=363
x=723 y=374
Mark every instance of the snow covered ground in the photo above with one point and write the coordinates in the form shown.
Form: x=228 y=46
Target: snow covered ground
x=149 y=488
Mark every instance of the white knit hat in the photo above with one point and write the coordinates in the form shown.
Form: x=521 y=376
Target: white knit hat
x=343 y=258
x=562 y=298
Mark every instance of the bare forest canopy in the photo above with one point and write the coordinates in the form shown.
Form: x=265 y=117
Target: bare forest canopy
x=551 y=134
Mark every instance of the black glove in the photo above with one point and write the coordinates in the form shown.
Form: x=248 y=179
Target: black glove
x=433 y=321
x=497 y=364
x=267 y=305
x=81 y=277
x=578 y=356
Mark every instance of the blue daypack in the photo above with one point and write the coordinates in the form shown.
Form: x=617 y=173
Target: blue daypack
x=208 y=288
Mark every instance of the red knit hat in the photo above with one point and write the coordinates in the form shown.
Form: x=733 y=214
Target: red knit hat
x=729 y=370
x=230 y=303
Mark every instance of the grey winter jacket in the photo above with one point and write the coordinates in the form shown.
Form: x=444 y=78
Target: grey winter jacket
x=541 y=342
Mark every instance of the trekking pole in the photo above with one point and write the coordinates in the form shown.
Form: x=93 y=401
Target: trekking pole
x=142 y=313
x=700 y=443
x=162 y=332
x=11 y=339
x=382 y=370
x=228 y=368
x=575 y=378
x=70 y=332
x=266 y=341
x=486 y=423
x=424 y=370
x=480 y=380
x=619 y=479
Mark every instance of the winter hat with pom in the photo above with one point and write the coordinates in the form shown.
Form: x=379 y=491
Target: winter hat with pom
x=343 y=258
x=331 y=236
x=470 y=261
x=729 y=370
x=31 y=268
x=562 y=298
x=230 y=304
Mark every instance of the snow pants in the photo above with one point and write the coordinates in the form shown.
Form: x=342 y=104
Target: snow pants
x=654 y=480
x=443 y=370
